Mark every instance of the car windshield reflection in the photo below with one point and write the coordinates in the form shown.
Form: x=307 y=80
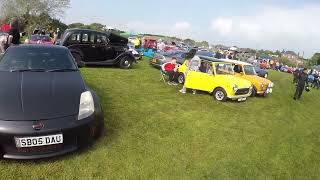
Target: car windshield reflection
x=249 y=70
x=36 y=61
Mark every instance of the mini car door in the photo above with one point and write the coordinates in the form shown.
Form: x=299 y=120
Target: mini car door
x=199 y=81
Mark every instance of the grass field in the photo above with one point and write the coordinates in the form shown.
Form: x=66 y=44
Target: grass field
x=155 y=132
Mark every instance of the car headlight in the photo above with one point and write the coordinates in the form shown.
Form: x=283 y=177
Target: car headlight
x=271 y=85
x=251 y=87
x=235 y=88
x=262 y=85
x=86 y=107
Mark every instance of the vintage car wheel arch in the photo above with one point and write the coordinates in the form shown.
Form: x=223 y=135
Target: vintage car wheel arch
x=78 y=52
x=125 y=62
x=253 y=91
x=220 y=94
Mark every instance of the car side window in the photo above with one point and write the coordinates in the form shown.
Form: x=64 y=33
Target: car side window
x=101 y=39
x=92 y=38
x=74 y=38
x=85 y=38
x=206 y=67
x=237 y=69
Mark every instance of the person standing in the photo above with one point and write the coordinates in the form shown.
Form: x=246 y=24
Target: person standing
x=14 y=33
x=193 y=65
x=302 y=81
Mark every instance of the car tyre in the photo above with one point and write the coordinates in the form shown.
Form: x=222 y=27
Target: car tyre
x=220 y=95
x=125 y=62
x=78 y=59
x=253 y=92
x=181 y=78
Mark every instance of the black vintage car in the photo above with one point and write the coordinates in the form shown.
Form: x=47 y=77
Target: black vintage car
x=90 y=47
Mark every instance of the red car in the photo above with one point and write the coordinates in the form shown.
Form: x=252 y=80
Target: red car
x=150 y=43
x=40 y=39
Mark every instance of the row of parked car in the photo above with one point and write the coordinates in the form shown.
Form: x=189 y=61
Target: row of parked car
x=224 y=78
x=89 y=47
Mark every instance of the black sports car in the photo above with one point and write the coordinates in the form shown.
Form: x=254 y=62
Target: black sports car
x=46 y=109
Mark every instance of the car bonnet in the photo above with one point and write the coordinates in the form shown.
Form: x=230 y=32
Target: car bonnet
x=39 y=95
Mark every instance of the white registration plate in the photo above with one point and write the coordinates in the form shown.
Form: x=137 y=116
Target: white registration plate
x=242 y=99
x=38 y=140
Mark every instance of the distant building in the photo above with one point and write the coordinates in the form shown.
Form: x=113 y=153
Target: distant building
x=292 y=56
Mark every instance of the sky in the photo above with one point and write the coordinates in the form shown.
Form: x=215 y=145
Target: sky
x=260 y=24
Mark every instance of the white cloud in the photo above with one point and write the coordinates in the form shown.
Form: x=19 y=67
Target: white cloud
x=181 y=26
x=180 y=29
x=273 y=28
x=222 y=25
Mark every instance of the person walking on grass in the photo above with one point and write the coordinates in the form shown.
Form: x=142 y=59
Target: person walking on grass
x=295 y=75
x=302 y=81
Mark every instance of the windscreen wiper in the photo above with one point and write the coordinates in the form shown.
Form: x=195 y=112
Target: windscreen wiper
x=27 y=70
x=61 y=70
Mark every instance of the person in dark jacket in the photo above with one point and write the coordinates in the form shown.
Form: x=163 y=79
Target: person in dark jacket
x=14 y=33
x=295 y=75
x=302 y=81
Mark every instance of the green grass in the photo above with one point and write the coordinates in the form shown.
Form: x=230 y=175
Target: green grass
x=155 y=132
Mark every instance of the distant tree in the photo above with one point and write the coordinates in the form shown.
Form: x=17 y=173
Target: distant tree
x=315 y=60
x=189 y=42
x=203 y=44
x=76 y=25
x=32 y=13
x=96 y=26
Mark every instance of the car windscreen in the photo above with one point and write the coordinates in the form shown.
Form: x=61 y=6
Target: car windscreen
x=20 y=59
x=205 y=53
x=249 y=70
x=224 y=69
x=37 y=38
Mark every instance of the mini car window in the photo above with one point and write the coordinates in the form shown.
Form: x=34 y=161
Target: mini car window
x=224 y=69
x=85 y=37
x=237 y=69
x=206 y=67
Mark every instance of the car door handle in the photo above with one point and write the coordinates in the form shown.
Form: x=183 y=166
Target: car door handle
x=93 y=46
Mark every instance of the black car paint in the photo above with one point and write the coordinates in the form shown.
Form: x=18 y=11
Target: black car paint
x=109 y=52
x=51 y=98
x=181 y=56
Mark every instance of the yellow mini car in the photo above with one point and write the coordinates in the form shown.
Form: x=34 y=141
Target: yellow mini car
x=135 y=41
x=261 y=86
x=217 y=78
